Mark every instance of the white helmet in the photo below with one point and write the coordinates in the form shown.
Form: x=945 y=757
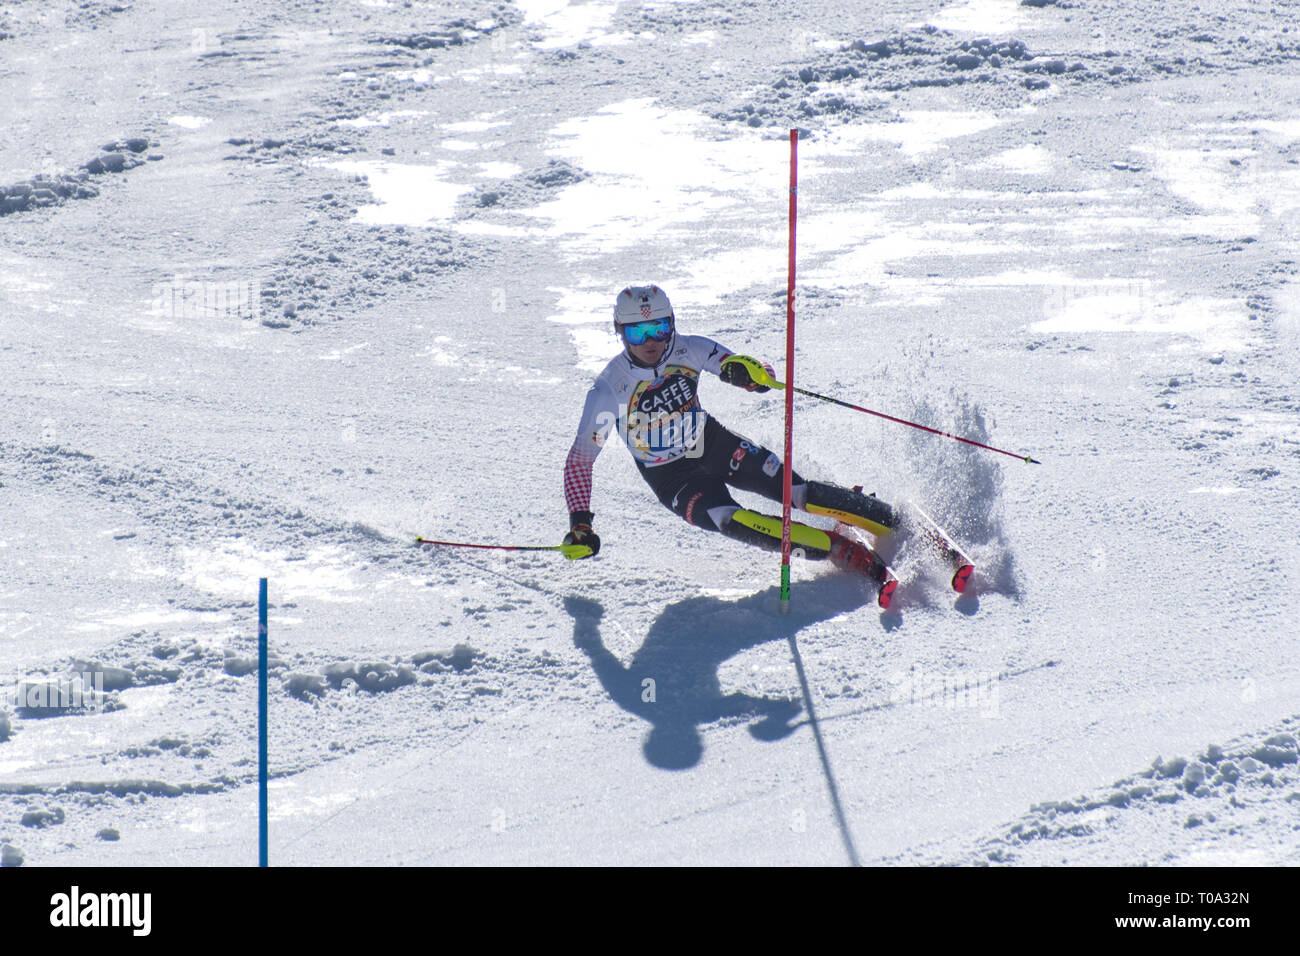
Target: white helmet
x=640 y=303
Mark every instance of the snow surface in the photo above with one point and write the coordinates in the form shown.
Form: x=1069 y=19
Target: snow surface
x=348 y=283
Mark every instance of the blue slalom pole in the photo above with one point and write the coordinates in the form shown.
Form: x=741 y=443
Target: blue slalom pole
x=263 y=829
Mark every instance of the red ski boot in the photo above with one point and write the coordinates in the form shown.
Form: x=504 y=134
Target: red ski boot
x=850 y=555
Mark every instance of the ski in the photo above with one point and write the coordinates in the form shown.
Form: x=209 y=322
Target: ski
x=943 y=544
x=875 y=566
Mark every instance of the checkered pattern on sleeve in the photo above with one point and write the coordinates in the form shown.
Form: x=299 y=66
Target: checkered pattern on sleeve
x=577 y=478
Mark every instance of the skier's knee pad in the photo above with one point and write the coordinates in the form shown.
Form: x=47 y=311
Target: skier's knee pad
x=799 y=494
x=722 y=514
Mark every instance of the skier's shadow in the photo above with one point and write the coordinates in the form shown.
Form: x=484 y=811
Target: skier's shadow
x=672 y=679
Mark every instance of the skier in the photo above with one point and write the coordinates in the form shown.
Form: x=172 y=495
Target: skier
x=648 y=393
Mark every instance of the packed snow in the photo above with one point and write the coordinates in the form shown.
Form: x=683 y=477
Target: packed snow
x=283 y=286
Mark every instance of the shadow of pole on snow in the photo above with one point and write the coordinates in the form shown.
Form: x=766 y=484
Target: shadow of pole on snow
x=672 y=679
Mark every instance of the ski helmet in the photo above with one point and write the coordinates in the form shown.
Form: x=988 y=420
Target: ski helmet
x=641 y=303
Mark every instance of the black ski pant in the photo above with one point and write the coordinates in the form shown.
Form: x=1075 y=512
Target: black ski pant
x=691 y=487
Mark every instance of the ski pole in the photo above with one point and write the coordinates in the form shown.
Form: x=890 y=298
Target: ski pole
x=570 y=551
x=761 y=377
x=902 y=421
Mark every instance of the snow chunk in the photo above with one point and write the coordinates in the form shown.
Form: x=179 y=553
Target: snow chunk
x=459 y=658
x=375 y=677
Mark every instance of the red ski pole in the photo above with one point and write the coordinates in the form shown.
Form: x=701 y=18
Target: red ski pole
x=570 y=551
x=773 y=383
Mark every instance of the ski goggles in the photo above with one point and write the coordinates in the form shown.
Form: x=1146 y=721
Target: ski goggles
x=651 y=330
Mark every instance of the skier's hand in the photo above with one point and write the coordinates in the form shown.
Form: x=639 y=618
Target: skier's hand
x=747 y=373
x=580 y=532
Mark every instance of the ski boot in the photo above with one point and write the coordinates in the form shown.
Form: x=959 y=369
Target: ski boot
x=851 y=507
x=848 y=554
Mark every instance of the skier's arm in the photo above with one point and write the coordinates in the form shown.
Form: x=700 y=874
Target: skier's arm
x=598 y=418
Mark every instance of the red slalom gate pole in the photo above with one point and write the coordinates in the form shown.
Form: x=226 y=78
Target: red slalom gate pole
x=789 y=376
